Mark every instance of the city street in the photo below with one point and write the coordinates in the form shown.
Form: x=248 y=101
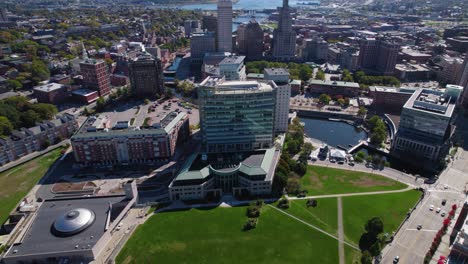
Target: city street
x=410 y=244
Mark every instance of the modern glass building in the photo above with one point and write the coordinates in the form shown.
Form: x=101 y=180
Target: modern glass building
x=236 y=116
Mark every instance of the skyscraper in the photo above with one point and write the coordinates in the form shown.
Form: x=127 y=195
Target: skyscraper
x=224 y=25
x=284 y=38
x=254 y=41
x=146 y=76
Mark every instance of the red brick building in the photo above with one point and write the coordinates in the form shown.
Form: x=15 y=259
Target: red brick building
x=96 y=75
x=52 y=93
x=99 y=143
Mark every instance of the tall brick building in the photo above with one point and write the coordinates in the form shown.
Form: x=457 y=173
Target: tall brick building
x=378 y=55
x=96 y=75
x=146 y=76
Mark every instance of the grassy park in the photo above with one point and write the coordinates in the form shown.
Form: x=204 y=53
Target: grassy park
x=391 y=208
x=18 y=181
x=215 y=235
x=323 y=180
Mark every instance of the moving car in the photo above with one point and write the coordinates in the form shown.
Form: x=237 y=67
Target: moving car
x=396 y=259
x=419 y=227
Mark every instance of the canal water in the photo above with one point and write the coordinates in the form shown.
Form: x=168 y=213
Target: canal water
x=333 y=133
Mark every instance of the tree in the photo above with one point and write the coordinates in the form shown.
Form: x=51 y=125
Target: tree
x=293 y=186
x=146 y=101
x=312 y=203
x=346 y=76
x=5 y=126
x=375 y=249
x=366 y=258
x=100 y=104
x=14 y=84
x=362 y=111
x=320 y=75
x=29 y=118
x=45 y=111
x=374 y=226
x=39 y=71
x=325 y=99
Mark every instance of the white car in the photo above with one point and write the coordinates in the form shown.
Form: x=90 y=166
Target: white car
x=438 y=210
x=431 y=208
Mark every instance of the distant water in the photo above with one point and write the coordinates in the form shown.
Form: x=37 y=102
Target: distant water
x=333 y=133
x=245 y=4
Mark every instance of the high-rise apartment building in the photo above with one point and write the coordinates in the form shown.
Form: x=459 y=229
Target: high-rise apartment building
x=96 y=75
x=224 y=33
x=146 y=76
x=236 y=116
x=284 y=37
x=279 y=78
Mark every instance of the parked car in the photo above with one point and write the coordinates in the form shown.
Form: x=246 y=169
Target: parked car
x=419 y=227
x=438 y=210
x=396 y=259
x=431 y=207
x=444 y=201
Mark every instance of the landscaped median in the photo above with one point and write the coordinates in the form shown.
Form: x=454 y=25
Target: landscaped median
x=18 y=181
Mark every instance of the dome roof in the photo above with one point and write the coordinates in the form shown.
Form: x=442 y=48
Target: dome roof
x=73 y=222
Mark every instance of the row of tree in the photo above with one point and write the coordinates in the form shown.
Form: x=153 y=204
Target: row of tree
x=17 y=112
x=296 y=71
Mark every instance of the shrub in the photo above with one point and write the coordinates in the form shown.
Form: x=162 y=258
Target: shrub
x=283 y=203
x=311 y=203
x=253 y=211
x=250 y=224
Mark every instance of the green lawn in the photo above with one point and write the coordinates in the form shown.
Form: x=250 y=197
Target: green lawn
x=16 y=182
x=323 y=180
x=391 y=208
x=216 y=236
x=352 y=255
x=324 y=216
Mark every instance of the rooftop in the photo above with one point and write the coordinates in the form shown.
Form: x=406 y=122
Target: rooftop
x=276 y=71
x=431 y=101
x=386 y=89
x=200 y=166
x=233 y=60
x=49 y=87
x=39 y=239
x=335 y=83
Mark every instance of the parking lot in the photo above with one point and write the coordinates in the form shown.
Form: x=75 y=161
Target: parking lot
x=136 y=112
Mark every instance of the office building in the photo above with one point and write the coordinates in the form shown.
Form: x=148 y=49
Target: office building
x=146 y=76
x=51 y=93
x=389 y=99
x=238 y=157
x=200 y=44
x=224 y=33
x=464 y=82
x=210 y=23
x=425 y=127
x=284 y=37
x=451 y=69
x=315 y=49
x=282 y=88
x=99 y=142
x=250 y=40
x=206 y=176
x=233 y=68
x=96 y=75
x=378 y=55
x=349 y=89
x=412 y=72
x=235 y=116
x=28 y=140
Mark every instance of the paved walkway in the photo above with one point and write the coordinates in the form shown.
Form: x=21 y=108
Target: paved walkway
x=341 y=232
x=349 y=194
x=314 y=227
